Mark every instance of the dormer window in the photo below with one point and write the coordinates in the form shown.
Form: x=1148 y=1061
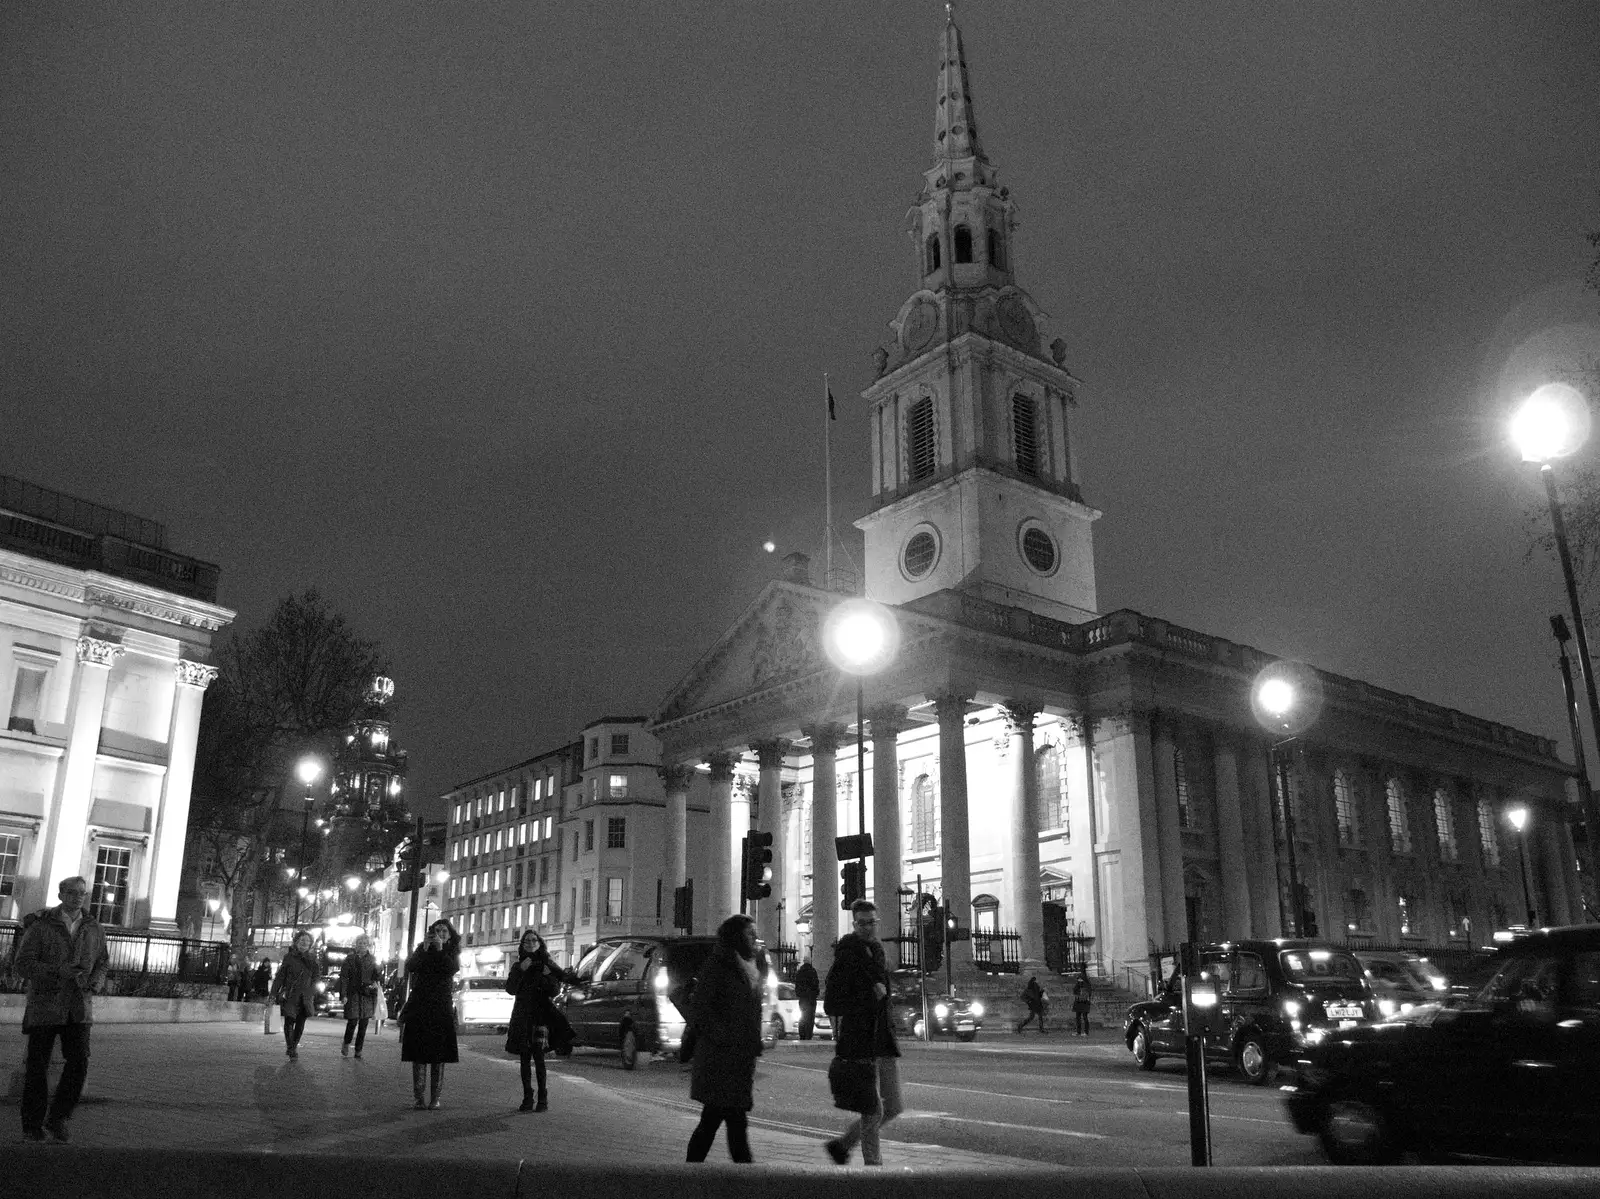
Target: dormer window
x=963 y=244
x=997 y=250
x=932 y=254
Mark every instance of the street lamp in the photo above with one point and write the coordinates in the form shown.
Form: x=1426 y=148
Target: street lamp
x=861 y=637
x=1286 y=699
x=1519 y=821
x=308 y=769
x=1552 y=423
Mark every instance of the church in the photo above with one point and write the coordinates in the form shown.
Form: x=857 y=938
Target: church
x=1096 y=784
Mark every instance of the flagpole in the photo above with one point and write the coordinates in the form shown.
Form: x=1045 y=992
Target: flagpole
x=827 y=484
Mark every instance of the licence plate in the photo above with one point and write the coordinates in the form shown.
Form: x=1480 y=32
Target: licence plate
x=965 y=1026
x=1343 y=1011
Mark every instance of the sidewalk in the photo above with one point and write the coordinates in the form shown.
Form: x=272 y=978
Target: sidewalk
x=227 y=1086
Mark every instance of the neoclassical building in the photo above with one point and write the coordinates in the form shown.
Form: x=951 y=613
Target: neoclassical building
x=1038 y=764
x=105 y=639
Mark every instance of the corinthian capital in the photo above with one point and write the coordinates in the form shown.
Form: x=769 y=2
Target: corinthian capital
x=721 y=766
x=1019 y=716
x=887 y=721
x=770 y=753
x=193 y=674
x=825 y=738
x=677 y=777
x=94 y=652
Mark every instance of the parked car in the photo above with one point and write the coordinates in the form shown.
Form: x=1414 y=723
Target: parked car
x=621 y=996
x=482 y=1002
x=1509 y=1072
x=1274 y=995
x=1401 y=980
x=784 y=1020
x=328 y=1001
x=949 y=1015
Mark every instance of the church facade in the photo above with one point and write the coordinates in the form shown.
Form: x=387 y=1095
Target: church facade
x=1032 y=763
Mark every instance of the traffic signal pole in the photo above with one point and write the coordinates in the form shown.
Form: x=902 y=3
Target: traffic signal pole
x=416 y=887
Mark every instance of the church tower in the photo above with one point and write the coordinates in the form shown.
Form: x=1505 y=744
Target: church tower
x=972 y=454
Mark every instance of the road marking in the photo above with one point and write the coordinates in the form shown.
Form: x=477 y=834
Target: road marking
x=1055 y=1132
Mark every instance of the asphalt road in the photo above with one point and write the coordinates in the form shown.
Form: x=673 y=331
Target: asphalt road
x=1052 y=1099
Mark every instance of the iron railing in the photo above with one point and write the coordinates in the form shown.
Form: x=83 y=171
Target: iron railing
x=135 y=954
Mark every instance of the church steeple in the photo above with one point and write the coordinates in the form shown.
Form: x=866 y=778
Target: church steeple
x=974 y=483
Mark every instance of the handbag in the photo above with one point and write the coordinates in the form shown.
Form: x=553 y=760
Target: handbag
x=854 y=1083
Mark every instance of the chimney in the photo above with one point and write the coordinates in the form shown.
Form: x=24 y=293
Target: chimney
x=797 y=568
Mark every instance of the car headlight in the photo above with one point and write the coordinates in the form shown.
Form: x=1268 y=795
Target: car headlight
x=321 y=987
x=941 y=1010
x=1291 y=1007
x=1386 y=1007
x=977 y=1008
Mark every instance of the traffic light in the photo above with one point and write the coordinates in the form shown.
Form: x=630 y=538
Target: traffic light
x=932 y=938
x=852 y=883
x=757 y=865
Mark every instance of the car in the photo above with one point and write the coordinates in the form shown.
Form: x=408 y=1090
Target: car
x=1273 y=996
x=624 y=990
x=948 y=1014
x=1401 y=980
x=784 y=1019
x=482 y=1002
x=328 y=1001
x=1507 y=1073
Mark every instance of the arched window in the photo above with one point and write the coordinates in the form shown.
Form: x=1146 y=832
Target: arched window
x=1399 y=821
x=924 y=816
x=1445 y=821
x=932 y=259
x=985 y=913
x=1025 y=434
x=963 y=244
x=1344 y=809
x=922 y=448
x=1047 y=775
x=997 y=255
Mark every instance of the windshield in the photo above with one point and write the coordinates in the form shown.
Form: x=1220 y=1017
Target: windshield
x=486 y=984
x=1311 y=966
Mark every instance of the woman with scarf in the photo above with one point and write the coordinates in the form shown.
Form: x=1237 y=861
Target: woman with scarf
x=726 y=1015
x=535 y=980
x=428 y=1022
x=358 y=987
x=295 y=989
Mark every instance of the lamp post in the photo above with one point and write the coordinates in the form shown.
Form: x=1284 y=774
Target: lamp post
x=1519 y=821
x=1286 y=699
x=1552 y=423
x=308 y=769
x=861 y=637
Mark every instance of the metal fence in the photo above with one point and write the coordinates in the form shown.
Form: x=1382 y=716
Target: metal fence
x=997 y=950
x=136 y=953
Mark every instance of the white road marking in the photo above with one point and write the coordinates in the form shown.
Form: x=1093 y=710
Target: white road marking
x=1054 y=1132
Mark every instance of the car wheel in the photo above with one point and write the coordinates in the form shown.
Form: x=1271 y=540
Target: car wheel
x=776 y=1024
x=1141 y=1048
x=630 y=1049
x=1356 y=1133
x=1254 y=1062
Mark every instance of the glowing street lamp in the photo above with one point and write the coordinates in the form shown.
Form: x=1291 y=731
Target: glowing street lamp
x=1286 y=699
x=861 y=637
x=1553 y=423
x=308 y=770
x=1519 y=820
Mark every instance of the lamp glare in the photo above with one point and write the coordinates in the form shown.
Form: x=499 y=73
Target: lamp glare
x=1551 y=423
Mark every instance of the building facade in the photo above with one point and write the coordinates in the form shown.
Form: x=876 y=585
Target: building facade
x=105 y=640
x=1041 y=766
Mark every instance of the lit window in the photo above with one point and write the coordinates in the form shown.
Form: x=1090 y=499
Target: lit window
x=455 y=851
x=924 y=816
x=544 y=911
x=10 y=860
x=1445 y=821
x=617 y=833
x=522 y=833
x=549 y=827
x=497 y=879
x=618 y=784
x=613 y=901
x=1488 y=837
x=1052 y=796
x=1344 y=809
x=1399 y=824
x=108 y=895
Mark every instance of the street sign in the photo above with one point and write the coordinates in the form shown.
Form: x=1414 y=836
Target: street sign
x=857 y=845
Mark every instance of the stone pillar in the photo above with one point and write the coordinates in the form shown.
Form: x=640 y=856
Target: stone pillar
x=769 y=819
x=675 y=844
x=711 y=905
x=172 y=818
x=888 y=853
x=1022 y=869
x=68 y=821
x=1085 y=831
x=1260 y=840
x=1550 y=866
x=955 y=851
x=794 y=857
x=1169 y=832
x=1231 y=847
x=1567 y=854
x=824 y=857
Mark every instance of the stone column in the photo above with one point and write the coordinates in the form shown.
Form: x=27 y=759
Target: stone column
x=172 y=818
x=824 y=828
x=955 y=847
x=1086 y=832
x=794 y=858
x=1550 y=866
x=1231 y=848
x=74 y=792
x=769 y=819
x=1260 y=840
x=1169 y=832
x=1566 y=852
x=675 y=844
x=711 y=905
x=888 y=853
x=1022 y=870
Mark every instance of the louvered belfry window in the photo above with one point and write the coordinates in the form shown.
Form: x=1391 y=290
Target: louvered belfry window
x=1025 y=434
x=923 y=447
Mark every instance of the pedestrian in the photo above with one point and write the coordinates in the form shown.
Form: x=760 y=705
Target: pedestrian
x=63 y=960
x=294 y=989
x=536 y=1022
x=1036 y=1000
x=1082 y=1001
x=427 y=1022
x=726 y=1015
x=358 y=987
x=858 y=1001
x=807 y=989
x=261 y=984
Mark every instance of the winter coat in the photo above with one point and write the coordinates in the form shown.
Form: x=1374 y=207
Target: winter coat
x=861 y=1024
x=359 y=987
x=1033 y=996
x=428 y=1020
x=1081 y=996
x=535 y=987
x=261 y=980
x=62 y=969
x=726 y=1009
x=807 y=986
x=294 y=988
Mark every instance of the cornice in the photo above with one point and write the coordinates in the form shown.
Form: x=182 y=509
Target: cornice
x=94 y=589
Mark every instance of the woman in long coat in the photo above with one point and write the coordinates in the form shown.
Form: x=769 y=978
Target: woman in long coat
x=535 y=980
x=295 y=989
x=428 y=1022
x=358 y=987
x=726 y=1013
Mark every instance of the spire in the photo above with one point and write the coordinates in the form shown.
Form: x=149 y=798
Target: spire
x=955 y=134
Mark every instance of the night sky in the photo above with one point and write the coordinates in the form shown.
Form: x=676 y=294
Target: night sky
x=505 y=324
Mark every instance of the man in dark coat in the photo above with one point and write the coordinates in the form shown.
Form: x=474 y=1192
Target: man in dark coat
x=858 y=1001
x=1034 y=998
x=807 y=989
x=63 y=959
x=726 y=1013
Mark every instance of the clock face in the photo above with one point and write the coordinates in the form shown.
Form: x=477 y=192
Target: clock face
x=1016 y=322
x=919 y=326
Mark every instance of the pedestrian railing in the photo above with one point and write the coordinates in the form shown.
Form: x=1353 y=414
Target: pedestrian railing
x=997 y=950
x=138 y=953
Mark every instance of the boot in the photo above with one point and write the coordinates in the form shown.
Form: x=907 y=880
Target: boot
x=419 y=1081
x=436 y=1078
x=527 y=1102
x=544 y=1103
